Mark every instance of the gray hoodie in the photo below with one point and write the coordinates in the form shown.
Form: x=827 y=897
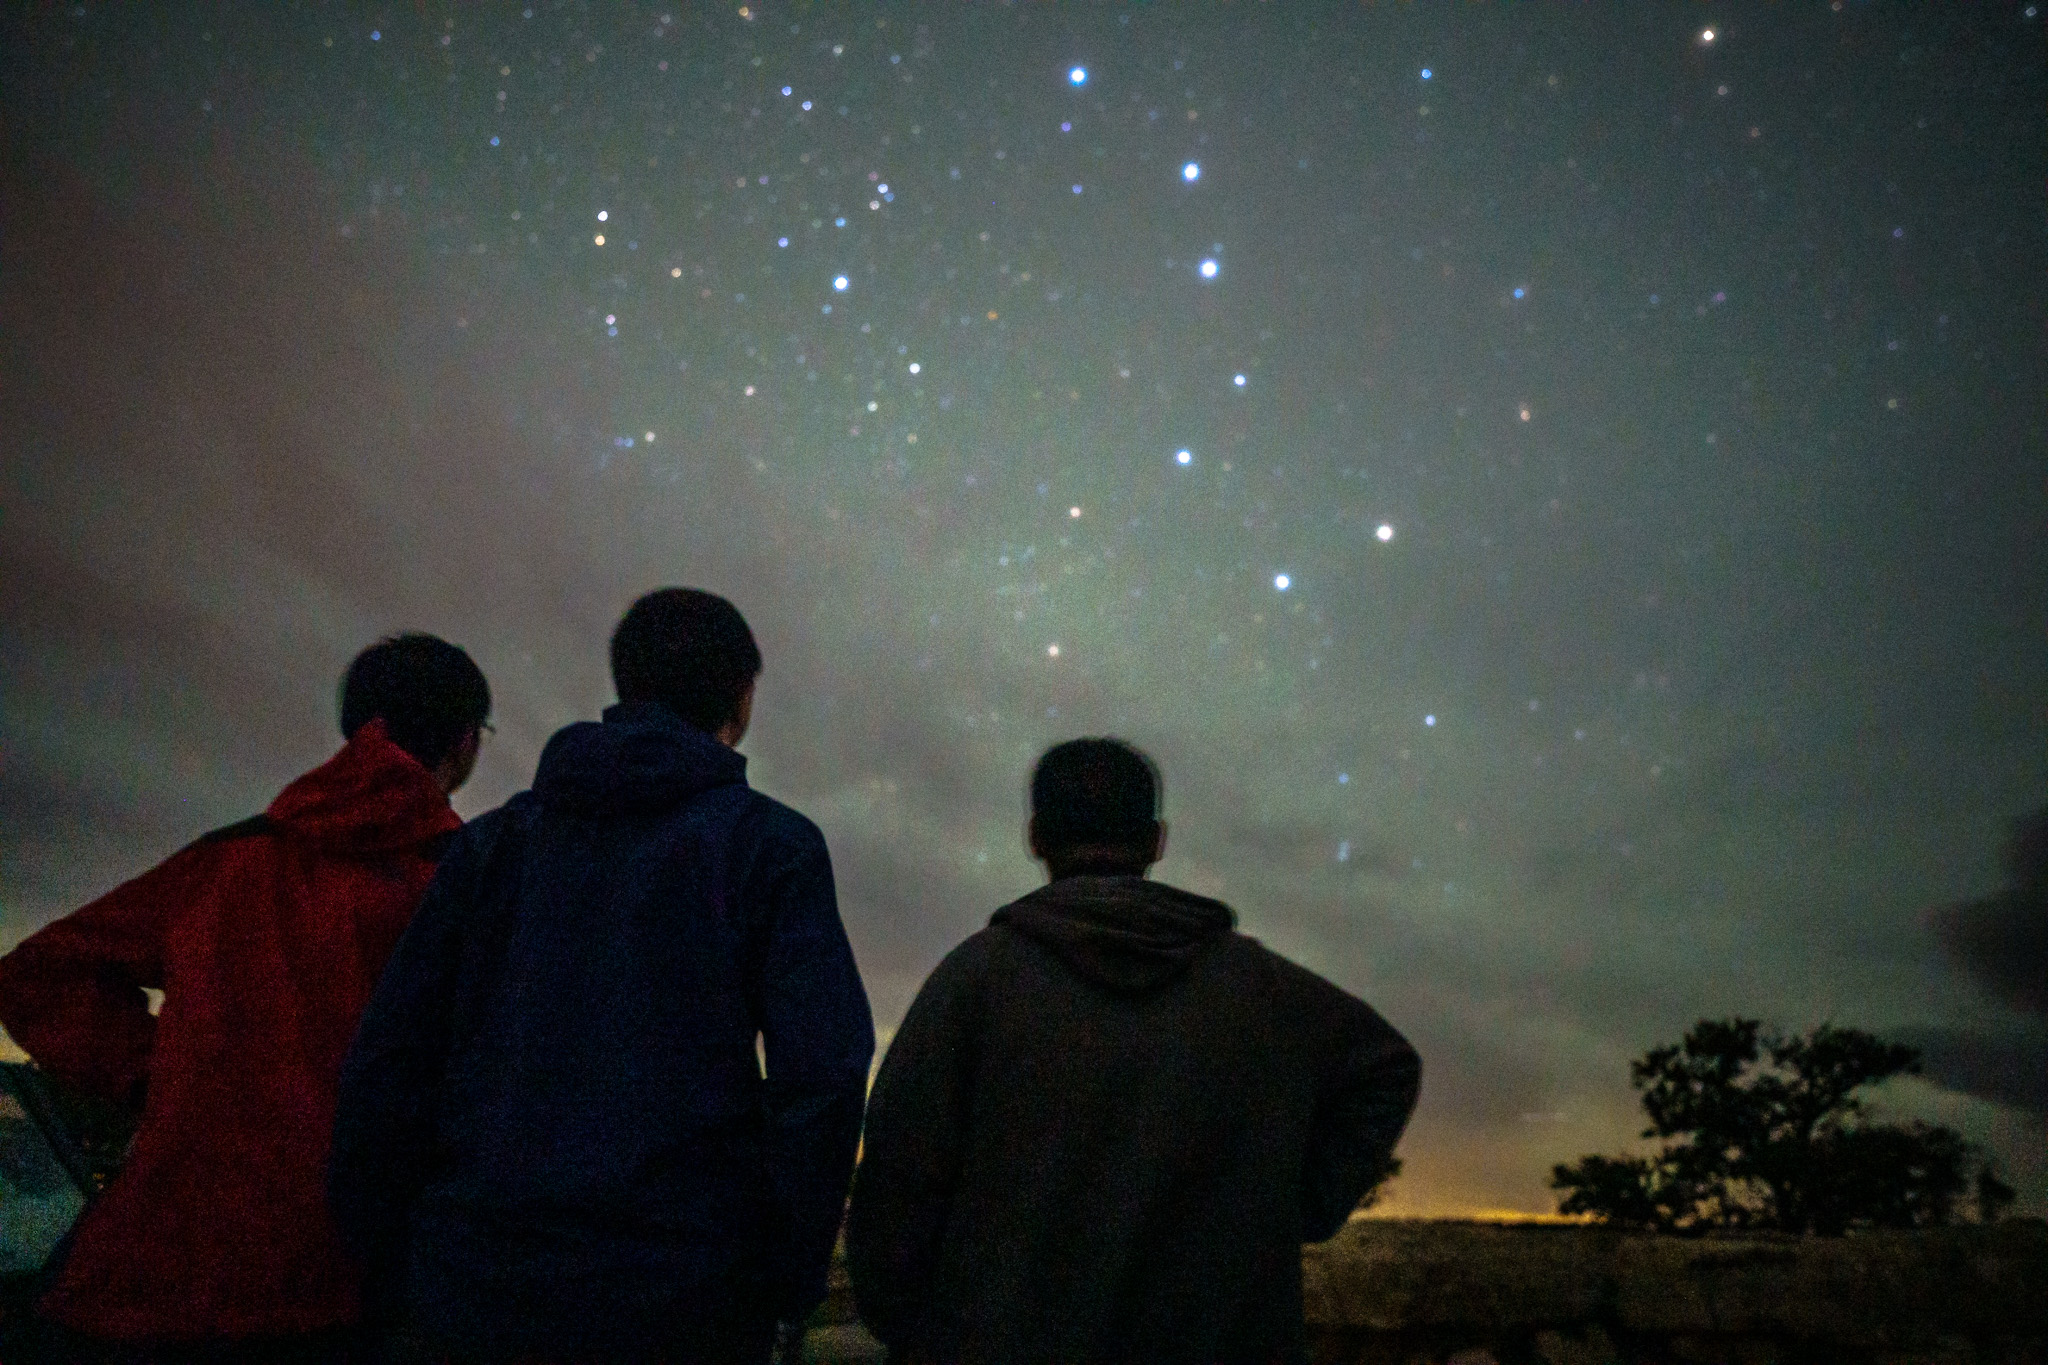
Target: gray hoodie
x=1105 y=1129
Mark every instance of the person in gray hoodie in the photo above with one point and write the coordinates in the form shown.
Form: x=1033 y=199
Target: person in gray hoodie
x=1109 y=1121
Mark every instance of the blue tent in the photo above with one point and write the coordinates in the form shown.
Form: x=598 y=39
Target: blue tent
x=43 y=1176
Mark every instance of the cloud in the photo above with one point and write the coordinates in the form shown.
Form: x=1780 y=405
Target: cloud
x=2009 y=1068
x=2002 y=940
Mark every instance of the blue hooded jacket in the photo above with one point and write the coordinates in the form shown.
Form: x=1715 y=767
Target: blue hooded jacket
x=554 y=1133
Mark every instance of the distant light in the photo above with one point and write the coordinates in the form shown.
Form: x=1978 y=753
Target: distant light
x=1074 y=512
x=1525 y=413
x=1079 y=75
x=1343 y=779
x=1066 y=127
x=1427 y=73
x=1343 y=850
x=1185 y=457
x=650 y=438
x=1519 y=291
x=1386 y=532
x=916 y=368
x=1208 y=269
x=375 y=36
x=1052 y=651
x=599 y=239
x=675 y=272
x=610 y=318
x=1191 y=172
x=494 y=140
x=603 y=215
x=1077 y=189
x=841 y=283
x=782 y=241
x=1429 y=720
x=748 y=391
x=1706 y=35
x=1238 y=380
x=807 y=106
x=1281 y=582
x=838 y=222
x=786 y=91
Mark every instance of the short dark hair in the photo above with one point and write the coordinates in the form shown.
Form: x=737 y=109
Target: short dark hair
x=429 y=694
x=689 y=650
x=1100 y=792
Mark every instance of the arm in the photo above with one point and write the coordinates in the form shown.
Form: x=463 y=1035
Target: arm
x=918 y=1118
x=819 y=1039
x=384 y=1115
x=72 y=994
x=1368 y=1092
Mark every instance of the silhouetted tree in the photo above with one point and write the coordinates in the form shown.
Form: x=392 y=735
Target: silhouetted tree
x=1764 y=1131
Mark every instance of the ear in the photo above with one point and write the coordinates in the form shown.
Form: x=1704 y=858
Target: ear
x=733 y=731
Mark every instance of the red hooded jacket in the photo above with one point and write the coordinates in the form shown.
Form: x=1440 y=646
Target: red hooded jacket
x=266 y=939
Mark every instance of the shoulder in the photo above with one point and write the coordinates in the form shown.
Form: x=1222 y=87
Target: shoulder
x=253 y=827
x=1294 y=985
x=781 y=831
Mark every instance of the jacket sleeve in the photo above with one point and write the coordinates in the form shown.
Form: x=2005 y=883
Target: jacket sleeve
x=384 y=1109
x=72 y=994
x=1367 y=1093
x=919 y=1116
x=818 y=1038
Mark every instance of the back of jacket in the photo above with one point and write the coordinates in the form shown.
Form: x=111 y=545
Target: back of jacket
x=555 y=1133
x=1104 y=1131
x=266 y=939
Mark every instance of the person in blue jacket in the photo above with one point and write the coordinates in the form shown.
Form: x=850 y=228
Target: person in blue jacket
x=556 y=1139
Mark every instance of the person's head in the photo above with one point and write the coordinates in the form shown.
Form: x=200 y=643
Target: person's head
x=430 y=695
x=1095 y=810
x=690 y=651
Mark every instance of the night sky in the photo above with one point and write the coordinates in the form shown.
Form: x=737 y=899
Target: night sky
x=1560 y=491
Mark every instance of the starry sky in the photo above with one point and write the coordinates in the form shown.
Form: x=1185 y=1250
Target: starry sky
x=1560 y=491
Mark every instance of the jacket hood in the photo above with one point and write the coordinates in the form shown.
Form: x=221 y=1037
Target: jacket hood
x=1123 y=933
x=640 y=758
x=372 y=797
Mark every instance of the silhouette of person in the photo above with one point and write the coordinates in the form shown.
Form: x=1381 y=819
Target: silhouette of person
x=555 y=1139
x=1109 y=1122
x=266 y=938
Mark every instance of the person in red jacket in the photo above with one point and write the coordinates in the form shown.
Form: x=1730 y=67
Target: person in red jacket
x=214 y=1242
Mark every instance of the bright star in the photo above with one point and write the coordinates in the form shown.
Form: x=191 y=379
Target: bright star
x=1079 y=75
x=1191 y=172
x=1386 y=532
x=1209 y=270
